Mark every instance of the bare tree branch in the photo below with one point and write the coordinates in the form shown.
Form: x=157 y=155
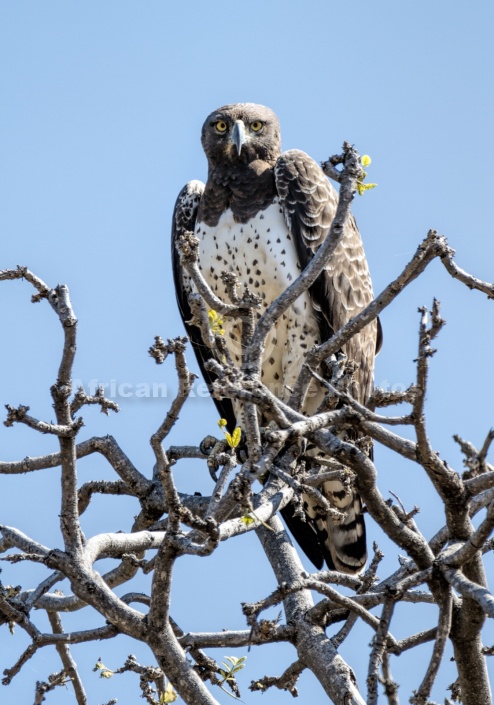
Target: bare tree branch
x=377 y=653
x=69 y=665
x=446 y=571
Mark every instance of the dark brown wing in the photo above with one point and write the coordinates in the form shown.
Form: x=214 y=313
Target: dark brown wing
x=309 y=203
x=184 y=219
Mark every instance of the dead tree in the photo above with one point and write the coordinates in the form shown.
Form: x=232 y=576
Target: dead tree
x=446 y=571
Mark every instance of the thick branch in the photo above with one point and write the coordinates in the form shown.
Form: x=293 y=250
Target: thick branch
x=314 y=648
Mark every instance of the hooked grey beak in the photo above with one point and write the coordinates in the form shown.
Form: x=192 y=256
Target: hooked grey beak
x=238 y=135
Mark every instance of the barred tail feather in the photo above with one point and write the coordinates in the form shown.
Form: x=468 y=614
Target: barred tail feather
x=345 y=544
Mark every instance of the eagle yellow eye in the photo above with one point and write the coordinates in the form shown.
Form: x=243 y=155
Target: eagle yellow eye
x=256 y=125
x=221 y=126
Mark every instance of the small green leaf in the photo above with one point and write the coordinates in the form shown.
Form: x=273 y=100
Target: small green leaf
x=104 y=671
x=362 y=188
x=169 y=696
x=233 y=439
x=366 y=160
x=228 y=674
x=236 y=665
x=215 y=322
x=247 y=519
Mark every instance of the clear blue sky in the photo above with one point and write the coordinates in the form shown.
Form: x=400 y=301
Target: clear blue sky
x=102 y=104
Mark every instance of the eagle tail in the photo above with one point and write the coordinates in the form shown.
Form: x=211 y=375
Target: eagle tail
x=344 y=544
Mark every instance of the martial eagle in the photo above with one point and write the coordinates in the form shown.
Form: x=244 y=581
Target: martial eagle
x=262 y=214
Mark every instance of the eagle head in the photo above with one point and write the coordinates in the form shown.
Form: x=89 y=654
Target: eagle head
x=241 y=132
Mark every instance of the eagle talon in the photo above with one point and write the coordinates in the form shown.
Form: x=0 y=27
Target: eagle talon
x=207 y=444
x=214 y=460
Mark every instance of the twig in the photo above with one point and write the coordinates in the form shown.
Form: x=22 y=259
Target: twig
x=69 y=665
x=229 y=462
x=34 y=595
x=101 y=487
x=236 y=638
x=431 y=247
x=381 y=398
x=54 y=680
x=253 y=610
x=20 y=415
x=378 y=648
x=361 y=410
x=475 y=460
x=82 y=399
x=25 y=273
x=467 y=279
x=456 y=557
x=287 y=681
x=410 y=642
x=421 y=696
x=318 y=497
x=390 y=687
x=185 y=378
x=469 y=589
x=187 y=244
x=366 y=583
x=426 y=335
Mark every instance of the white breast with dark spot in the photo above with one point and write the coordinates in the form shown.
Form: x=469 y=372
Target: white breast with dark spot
x=262 y=254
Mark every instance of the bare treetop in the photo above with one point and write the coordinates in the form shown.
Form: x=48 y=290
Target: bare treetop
x=446 y=571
